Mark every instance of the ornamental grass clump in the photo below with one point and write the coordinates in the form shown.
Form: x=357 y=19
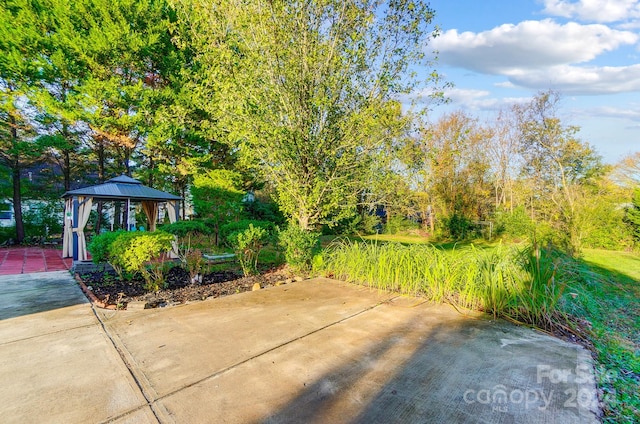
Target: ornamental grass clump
x=521 y=285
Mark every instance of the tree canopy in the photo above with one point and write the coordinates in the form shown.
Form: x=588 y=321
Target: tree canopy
x=306 y=102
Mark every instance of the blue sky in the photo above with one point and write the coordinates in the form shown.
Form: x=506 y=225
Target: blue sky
x=498 y=52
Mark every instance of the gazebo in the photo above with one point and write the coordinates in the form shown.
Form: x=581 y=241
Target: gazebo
x=78 y=203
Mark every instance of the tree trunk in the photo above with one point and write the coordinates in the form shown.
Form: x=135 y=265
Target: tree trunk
x=67 y=170
x=15 y=174
x=66 y=154
x=100 y=153
x=17 y=203
x=303 y=221
x=151 y=164
x=431 y=221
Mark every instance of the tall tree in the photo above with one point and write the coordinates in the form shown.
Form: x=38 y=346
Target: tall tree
x=306 y=90
x=627 y=172
x=21 y=63
x=504 y=158
x=454 y=155
x=559 y=163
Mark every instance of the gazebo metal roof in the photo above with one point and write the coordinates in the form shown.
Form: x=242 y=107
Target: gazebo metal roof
x=122 y=188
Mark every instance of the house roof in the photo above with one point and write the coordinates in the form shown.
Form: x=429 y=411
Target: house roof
x=122 y=188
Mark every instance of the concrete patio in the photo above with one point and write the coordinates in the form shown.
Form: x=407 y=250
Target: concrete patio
x=314 y=351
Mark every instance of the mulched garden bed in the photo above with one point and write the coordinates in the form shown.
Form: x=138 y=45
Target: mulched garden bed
x=113 y=292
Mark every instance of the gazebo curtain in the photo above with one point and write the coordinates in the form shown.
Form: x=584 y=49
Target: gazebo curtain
x=172 y=210
x=150 y=209
x=84 y=210
x=67 y=234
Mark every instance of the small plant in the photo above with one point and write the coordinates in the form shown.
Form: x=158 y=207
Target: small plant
x=134 y=251
x=185 y=228
x=242 y=225
x=194 y=262
x=100 y=244
x=247 y=245
x=299 y=246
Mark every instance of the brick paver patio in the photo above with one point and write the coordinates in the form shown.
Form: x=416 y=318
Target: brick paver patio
x=24 y=260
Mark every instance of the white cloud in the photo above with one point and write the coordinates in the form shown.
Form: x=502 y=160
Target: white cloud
x=511 y=49
x=581 y=80
x=594 y=10
x=544 y=54
x=613 y=112
x=480 y=99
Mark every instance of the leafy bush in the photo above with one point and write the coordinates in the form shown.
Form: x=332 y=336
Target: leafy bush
x=134 y=250
x=459 y=227
x=100 y=244
x=361 y=224
x=217 y=195
x=398 y=224
x=370 y=224
x=632 y=217
x=299 y=246
x=247 y=245
x=43 y=219
x=514 y=224
x=244 y=224
x=7 y=234
x=264 y=211
x=194 y=262
x=183 y=228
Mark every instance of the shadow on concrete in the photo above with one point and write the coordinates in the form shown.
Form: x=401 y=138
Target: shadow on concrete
x=25 y=294
x=462 y=371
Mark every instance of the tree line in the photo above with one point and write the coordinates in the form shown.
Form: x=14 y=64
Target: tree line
x=304 y=100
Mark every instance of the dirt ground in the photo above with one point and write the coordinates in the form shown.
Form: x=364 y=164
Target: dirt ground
x=179 y=289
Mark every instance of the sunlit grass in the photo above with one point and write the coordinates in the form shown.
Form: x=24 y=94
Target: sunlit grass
x=610 y=303
x=520 y=284
x=398 y=238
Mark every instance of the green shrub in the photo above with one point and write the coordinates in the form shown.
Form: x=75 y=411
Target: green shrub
x=299 y=246
x=360 y=224
x=459 y=227
x=184 y=228
x=42 y=220
x=242 y=225
x=194 y=262
x=7 y=234
x=247 y=244
x=133 y=252
x=514 y=224
x=370 y=224
x=100 y=244
x=264 y=211
x=399 y=224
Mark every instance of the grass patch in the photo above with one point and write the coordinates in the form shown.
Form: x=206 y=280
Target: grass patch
x=610 y=302
x=519 y=284
x=398 y=238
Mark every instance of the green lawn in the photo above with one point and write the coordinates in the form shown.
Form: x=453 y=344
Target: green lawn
x=611 y=304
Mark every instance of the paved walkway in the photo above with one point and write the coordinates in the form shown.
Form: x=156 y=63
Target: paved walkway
x=317 y=351
x=24 y=260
